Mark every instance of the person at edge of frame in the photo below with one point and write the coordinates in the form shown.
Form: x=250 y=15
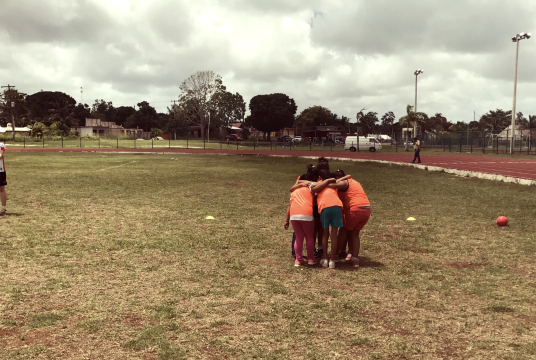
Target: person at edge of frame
x=417 y=148
x=3 y=181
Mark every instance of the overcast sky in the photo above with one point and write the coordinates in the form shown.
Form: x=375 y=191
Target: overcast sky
x=342 y=54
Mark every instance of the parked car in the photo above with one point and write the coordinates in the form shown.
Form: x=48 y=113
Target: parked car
x=233 y=137
x=284 y=138
x=297 y=139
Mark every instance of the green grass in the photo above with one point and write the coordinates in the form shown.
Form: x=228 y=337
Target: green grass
x=111 y=254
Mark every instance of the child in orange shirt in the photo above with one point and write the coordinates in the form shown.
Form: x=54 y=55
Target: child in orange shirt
x=330 y=208
x=300 y=214
x=356 y=214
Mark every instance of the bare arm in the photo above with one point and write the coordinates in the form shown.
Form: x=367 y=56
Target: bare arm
x=2 y=154
x=339 y=185
x=318 y=187
x=288 y=216
x=299 y=184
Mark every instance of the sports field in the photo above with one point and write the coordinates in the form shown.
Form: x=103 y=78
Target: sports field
x=109 y=256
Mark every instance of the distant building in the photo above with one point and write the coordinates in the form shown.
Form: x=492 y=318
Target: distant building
x=18 y=130
x=97 y=127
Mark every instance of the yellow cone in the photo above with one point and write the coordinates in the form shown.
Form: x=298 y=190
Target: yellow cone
x=411 y=219
x=209 y=218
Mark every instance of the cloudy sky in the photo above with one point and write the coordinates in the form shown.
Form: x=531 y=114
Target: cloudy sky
x=341 y=54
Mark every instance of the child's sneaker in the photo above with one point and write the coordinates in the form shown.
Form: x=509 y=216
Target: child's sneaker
x=324 y=263
x=311 y=262
x=332 y=264
x=2 y=212
x=349 y=257
x=299 y=262
x=319 y=253
x=342 y=254
x=355 y=262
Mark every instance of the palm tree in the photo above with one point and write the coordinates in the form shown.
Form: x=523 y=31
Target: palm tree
x=411 y=117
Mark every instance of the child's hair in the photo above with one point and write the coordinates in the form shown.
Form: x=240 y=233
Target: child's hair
x=309 y=177
x=338 y=174
x=322 y=164
x=310 y=168
x=323 y=173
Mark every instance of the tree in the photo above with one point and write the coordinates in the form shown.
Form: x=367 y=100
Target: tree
x=145 y=117
x=271 y=112
x=409 y=119
x=521 y=120
x=196 y=95
x=102 y=110
x=496 y=120
x=122 y=113
x=50 y=107
x=458 y=127
x=226 y=108
x=13 y=108
x=316 y=116
x=367 y=122
x=439 y=123
x=80 y=113
x=178 y=121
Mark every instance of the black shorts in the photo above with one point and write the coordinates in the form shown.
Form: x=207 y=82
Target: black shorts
x=316 y=214
x=3 y=181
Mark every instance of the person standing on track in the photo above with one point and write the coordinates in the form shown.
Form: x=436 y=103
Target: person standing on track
x=3 y=181
x=417 y=148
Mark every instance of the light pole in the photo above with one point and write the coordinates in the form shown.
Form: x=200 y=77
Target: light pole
x=417 y=73
x=516 y=39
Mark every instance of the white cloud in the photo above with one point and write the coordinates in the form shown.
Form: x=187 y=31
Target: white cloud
x=357 y=53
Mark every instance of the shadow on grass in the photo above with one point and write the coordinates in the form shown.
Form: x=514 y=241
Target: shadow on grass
x=8 y=214
x=364 y=262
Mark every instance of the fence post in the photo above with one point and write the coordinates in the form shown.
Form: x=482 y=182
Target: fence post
x=43 y=142
x=528 y=151
x=253 y=145
x=311 y=145
x=80 y=141
x=331 y=146
x=460 y=144
x=61 y=141
x=271 y=145
x=186 y=143
x=152 y=143
x=169 y=147
x=99 y=142
x=237 y=144
x=203 y=143
x=25 y=142
x=134 y=143
x=118 y=142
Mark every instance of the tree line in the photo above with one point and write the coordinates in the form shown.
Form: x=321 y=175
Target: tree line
x=205 y=102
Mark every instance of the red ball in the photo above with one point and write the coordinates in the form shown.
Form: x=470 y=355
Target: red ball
x=502 y=221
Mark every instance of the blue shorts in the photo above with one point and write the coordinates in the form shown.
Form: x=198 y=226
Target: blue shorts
x=331 y=216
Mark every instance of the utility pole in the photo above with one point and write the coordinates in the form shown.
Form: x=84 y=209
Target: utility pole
x=11 y=104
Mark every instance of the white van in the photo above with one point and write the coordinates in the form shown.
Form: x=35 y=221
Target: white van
x=365 y=144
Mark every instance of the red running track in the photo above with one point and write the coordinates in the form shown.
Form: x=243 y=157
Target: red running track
x=517 y=168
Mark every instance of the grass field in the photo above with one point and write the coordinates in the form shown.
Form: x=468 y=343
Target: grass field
x=109 y=256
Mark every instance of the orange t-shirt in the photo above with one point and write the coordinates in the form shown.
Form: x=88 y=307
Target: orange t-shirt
x=302 y=202
x=354 y=196
x=327 y=198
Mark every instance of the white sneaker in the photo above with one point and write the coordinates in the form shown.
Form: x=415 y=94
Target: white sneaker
x=332 y=264
x=348 y=257
x=3 y=212
x=324 y=263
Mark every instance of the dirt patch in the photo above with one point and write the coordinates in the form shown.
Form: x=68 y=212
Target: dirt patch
x=267 y=262
x=384 y=236
x=235 y=184
x=133 y=320
x=8 y=332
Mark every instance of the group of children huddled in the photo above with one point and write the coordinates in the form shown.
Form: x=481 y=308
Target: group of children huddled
x=320 y=199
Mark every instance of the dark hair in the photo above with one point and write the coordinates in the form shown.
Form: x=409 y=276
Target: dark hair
x=323 y=173
x=338 y=174
x=322 y=164
x=309 y=177
x=309 y=168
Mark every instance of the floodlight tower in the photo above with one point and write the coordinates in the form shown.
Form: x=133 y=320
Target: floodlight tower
x=416 y=73
x=516 y=39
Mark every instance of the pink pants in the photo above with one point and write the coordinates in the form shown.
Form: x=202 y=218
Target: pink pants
x=304 y=229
